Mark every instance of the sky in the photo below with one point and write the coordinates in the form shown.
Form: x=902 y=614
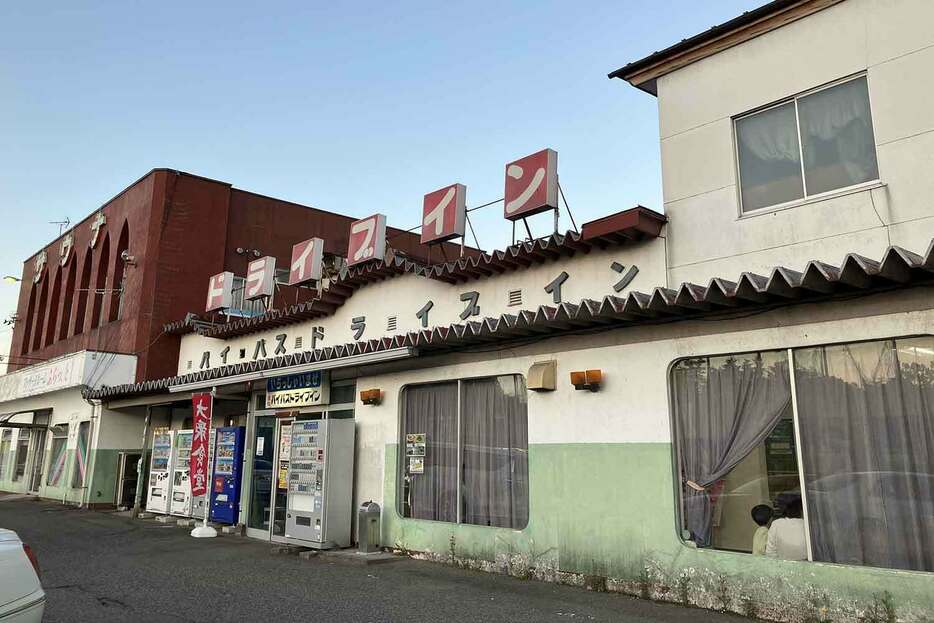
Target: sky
x=355 y=107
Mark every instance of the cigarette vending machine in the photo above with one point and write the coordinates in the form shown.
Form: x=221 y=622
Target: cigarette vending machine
x=320 y=479
x=183 y=504
x=159 y=492
x=228 y=468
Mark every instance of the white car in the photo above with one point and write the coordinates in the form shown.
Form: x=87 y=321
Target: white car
x=22 y=599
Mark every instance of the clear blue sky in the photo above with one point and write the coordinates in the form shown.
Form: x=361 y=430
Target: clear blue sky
x=352 y=107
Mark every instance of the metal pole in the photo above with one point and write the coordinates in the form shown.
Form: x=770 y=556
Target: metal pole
x=798 y=453
x=137 y=500
x=204 y=530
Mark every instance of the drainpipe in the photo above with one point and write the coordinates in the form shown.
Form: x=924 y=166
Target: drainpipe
x=92 y=443
x=138 y=499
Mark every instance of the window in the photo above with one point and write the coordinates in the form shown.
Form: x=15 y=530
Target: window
x=5 y=441
x=57 y=455
x=80 y=470
x=844 y=456
x=22 y=453
x=465 y=452
x=814 y=143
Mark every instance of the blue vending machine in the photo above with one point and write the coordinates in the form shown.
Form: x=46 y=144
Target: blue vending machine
x=228 y=468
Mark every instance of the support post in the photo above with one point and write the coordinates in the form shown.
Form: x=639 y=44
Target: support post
x=140 y=477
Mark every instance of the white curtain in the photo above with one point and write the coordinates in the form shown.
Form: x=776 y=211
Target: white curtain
x=431 y=410
x=495 y=456
x=724 y=408
x=866 y=413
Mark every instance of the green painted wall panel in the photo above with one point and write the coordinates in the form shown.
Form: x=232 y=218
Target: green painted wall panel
x=607 y=511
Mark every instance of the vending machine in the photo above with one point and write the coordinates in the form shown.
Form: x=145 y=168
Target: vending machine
x=228 y=467
x=159 y=492
x=183 y=504
x=320 y=482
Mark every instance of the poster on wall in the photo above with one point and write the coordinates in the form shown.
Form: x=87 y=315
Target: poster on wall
x=416 y=465
x=415 y=452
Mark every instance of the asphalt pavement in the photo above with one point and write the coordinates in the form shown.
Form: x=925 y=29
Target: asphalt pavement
x=99 y=566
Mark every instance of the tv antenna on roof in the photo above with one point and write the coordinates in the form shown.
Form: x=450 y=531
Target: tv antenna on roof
x=62 y=225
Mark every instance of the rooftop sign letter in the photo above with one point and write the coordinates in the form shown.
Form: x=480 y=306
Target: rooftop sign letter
x=367 y=240
x=220 y=291
x=306 y=261
x=443 y=214
x=531 y=185
x=260 y=278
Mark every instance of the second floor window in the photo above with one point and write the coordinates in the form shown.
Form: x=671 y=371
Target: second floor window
x=815 y=143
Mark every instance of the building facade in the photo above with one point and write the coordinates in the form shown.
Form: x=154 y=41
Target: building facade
x=93 y=308
x=614 y=407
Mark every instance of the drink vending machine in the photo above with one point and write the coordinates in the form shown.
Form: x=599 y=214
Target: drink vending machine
x=159 y=493
x=228 y=469
x=183 y=504
x=320 y=480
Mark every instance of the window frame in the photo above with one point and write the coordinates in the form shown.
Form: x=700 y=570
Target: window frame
x=401 y=458
x=807 y=198
x=678 y=494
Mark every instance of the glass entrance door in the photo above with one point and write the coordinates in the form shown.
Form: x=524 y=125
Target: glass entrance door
x=281 y=477
x=263 y=447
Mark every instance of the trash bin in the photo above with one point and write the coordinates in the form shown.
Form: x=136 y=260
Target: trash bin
x=368 y=528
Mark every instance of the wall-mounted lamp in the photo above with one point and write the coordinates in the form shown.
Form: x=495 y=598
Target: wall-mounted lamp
x=587 y=379
x=371 y=396
x=254 y=252
x=11 y=279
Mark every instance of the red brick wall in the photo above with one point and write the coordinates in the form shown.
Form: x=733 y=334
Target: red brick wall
x=181 y=230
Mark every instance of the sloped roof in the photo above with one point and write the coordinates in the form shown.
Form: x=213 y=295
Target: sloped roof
x=783 y=286
x=636 y=224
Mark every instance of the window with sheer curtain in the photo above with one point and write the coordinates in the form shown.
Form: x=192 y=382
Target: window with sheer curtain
x=464 y=452
x=851 y=441
x=814 y=143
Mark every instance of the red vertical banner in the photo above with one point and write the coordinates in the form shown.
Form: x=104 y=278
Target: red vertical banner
x=202 y=405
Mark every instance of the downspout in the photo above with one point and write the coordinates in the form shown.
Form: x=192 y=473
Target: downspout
x=138 y=499
x=92 y=442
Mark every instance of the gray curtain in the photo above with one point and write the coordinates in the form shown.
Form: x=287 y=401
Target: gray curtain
x=495 y=456
x=866 y=413
x=724 y=407
x=432 y=410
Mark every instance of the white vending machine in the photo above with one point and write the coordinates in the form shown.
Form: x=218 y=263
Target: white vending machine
x=183 y=504
x=320 y=479
x=159 y=493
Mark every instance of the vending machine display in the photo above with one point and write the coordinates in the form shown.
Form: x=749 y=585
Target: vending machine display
x=183 y=504
x=320 y=480
x=159 y=493
x=225 y=485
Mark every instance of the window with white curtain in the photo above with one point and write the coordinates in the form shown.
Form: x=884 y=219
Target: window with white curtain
x=814 y=143
x=843 y=456
x=464 y=452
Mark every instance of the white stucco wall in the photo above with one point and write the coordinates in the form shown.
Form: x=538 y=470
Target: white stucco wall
x=590 y=276
x=893 y=42
x=632 y=405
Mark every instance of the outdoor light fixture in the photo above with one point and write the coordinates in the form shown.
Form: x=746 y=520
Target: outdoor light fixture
x=587 y=379
x=371 y=396
x=11 y=279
